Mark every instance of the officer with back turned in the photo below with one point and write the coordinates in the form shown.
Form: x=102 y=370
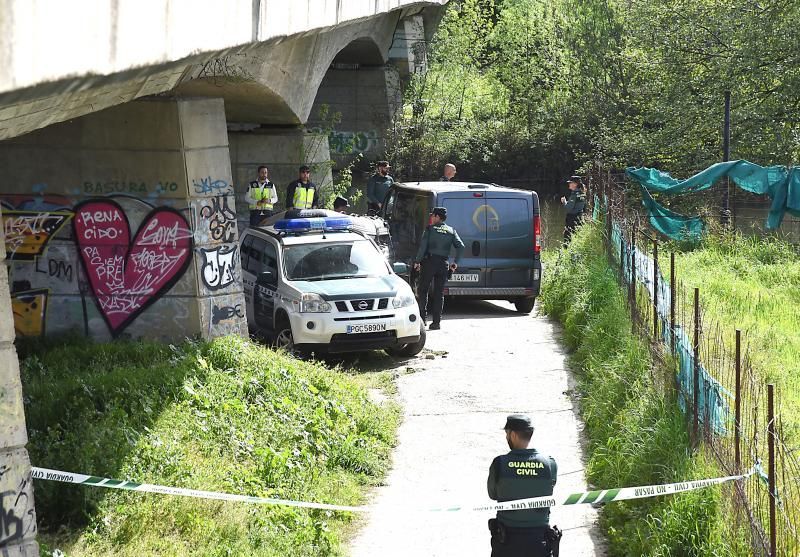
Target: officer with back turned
x=520 y=474
x=432 y=255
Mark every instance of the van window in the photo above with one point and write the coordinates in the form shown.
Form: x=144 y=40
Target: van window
x=408 y=219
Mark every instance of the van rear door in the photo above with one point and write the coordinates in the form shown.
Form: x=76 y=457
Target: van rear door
x=466 y=212
x=509 y=239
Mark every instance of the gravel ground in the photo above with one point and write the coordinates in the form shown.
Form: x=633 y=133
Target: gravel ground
x=487 y=361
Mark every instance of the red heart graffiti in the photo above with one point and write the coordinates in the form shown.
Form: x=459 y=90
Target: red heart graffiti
x=127 y=277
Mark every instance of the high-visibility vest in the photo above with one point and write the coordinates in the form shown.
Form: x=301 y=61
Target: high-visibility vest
x=303 y=197
x=259 y=193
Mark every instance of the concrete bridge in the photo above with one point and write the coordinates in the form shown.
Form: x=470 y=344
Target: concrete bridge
x=128 y=133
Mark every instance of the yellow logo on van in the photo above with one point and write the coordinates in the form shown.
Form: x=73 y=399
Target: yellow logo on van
x=492 y=219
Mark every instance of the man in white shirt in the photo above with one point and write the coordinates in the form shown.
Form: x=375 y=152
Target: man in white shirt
x=261 y=197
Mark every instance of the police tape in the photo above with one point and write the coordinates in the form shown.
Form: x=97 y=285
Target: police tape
x=586 y=497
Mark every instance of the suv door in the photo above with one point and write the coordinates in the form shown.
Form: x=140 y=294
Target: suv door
x=260 y=268
x=509 y=242
x=467 y=213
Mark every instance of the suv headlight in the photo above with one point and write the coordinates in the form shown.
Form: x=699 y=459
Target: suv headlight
x=313 y=303
x=402 y=301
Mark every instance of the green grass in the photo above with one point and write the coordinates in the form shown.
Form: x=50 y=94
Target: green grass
x=226 y=415
x=636 y=435
x=754 y=285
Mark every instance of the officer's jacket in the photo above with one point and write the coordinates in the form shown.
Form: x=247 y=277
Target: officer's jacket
x=520 y=474
x=437 y=240
x=576 y=203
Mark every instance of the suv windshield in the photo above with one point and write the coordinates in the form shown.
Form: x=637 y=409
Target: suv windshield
x=333 y=261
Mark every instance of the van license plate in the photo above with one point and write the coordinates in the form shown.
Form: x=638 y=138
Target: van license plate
x=464 y=278
x=366 y=328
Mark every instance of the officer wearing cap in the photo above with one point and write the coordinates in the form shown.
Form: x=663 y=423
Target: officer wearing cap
x=341 y=204
x=574 y=206
x=520 y=474
x=432 y=257
x=302 y=193
x=378 y=186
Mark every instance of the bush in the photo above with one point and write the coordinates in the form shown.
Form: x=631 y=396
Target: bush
x=637 y=436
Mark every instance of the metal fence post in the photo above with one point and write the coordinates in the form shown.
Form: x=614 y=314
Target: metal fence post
x=737 y=455
x=773 y=534
x=655 y=289
x=632 y=290
x=672 y=301
x=696 y=351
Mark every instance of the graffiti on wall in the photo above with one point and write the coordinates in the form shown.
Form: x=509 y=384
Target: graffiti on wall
x=353 y=142
x=30 y=311
x=126 y=276
x=207 y=185
x=27 y=233
x=221 y=219
x=17 y=516
x=219 y=266
x=223 y=313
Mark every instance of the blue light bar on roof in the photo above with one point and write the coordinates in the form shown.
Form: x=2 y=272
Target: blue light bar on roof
x=313 y=223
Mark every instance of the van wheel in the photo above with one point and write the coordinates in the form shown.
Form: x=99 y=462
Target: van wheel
x=525 y=305
x=409 y=350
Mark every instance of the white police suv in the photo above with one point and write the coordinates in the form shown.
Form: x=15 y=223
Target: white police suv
x=317 y=284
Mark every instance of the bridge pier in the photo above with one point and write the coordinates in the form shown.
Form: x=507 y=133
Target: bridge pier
x=122 y=223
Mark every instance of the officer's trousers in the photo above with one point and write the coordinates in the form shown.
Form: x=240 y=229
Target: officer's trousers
x=434 y=267
x=570 y=225
x=520 y=542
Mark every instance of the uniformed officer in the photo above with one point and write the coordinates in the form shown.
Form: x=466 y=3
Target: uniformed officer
x=520 y=474
x=261 y=197
x=574 y=206
x=378 y=186
x=302 y=193
x=432 y=256
x=341 y=204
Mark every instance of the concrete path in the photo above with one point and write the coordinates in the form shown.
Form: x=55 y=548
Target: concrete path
x=489 y=361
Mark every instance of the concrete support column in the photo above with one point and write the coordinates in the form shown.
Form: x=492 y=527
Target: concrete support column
x=282 y=151
x=17 y=514
x=123 y=224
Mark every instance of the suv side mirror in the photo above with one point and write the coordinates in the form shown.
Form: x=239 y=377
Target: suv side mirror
x=267 y=277
x=400 y=268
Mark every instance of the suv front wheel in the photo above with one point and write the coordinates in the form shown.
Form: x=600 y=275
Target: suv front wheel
x=283 y=337
x=411 y=349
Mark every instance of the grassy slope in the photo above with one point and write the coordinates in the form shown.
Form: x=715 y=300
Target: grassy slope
x=636 y=436
x=227 y=415
x=753 y=285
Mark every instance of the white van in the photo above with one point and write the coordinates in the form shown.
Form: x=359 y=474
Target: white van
x=317 y=284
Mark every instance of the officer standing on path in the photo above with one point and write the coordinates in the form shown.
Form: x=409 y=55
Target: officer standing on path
x=434 y=249
x=574 y=206
x=520 y=474
x=302 y=193
x=261 y=197
x=378 y=186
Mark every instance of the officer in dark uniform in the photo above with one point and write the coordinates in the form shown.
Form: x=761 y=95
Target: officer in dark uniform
x=520 y=474
x=574 y=206
x=434 y=249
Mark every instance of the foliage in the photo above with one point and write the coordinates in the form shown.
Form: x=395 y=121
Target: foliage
x=637 y=436
x=226 y=415
x=536 y=89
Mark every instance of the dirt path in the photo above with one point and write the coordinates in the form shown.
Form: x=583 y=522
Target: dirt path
x=490 y=362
